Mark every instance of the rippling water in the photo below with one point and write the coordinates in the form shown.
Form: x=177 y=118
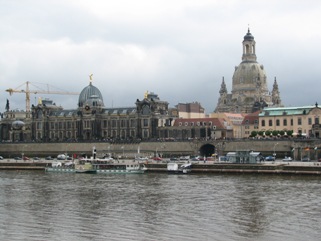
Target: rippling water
x=50 y=206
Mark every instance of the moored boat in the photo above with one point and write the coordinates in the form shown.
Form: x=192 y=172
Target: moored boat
x=173 y=167
x=118 y=166
x=84 y=166
x=101 y=166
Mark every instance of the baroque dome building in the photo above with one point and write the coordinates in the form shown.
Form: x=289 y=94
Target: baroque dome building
x=90 y=95
x=249 y=84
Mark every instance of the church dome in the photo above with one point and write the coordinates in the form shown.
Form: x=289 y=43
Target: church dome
x=248 y=36
x=88 y=92
x=249 y=76
x=94 y=101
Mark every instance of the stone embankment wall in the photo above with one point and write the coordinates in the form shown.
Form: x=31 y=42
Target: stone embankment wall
x=294 y=148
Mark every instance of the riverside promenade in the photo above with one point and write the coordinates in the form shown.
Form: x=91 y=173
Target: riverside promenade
x=277 y=167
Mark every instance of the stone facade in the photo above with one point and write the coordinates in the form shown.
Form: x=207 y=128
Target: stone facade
x=91 y=121
x=249 y=87
x=303 y=121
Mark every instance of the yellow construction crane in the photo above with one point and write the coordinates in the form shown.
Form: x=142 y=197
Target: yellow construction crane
x=27 y=91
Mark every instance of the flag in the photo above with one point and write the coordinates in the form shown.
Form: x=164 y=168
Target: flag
x=315 y=148
x=307 y=149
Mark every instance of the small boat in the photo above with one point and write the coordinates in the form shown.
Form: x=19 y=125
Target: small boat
x=287 y=159
x=173 y=167
x=186 y=168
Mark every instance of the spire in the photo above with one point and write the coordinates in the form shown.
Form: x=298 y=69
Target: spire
x=276 y=99
x=223 y=89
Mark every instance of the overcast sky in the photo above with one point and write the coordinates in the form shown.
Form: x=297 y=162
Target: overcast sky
x=178 y=49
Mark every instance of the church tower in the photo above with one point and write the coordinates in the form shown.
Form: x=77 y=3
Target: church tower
x=249 y=84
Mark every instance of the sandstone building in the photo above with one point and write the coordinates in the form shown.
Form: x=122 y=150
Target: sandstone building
x=249 y=87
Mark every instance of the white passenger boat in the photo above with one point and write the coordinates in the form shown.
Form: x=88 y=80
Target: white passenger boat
x=100 y=166
x=174 y=167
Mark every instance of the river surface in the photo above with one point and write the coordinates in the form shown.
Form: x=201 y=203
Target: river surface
x=35 y=205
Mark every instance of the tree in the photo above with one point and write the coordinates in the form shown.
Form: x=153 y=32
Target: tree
x=254 y=133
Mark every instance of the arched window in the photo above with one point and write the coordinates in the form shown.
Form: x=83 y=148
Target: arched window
x=285 y=122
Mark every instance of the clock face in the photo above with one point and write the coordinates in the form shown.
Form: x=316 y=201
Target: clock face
x=145 y=110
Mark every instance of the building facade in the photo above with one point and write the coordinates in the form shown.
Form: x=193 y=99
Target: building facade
x=249 y=87
x=91 y=121
x=303 y=121
x=197 y=128
x=190 y=110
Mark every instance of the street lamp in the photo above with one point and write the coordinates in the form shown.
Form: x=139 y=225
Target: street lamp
x=274 y=154
x=123 y=150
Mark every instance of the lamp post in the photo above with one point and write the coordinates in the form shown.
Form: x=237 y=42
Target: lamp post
x=123 y=150
x=274 y=154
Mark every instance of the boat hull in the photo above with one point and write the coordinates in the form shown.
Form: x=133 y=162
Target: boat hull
x=100 y=171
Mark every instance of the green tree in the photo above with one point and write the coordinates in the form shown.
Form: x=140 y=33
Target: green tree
x=254 y=133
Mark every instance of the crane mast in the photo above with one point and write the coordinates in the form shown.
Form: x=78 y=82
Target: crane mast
x=27 y=92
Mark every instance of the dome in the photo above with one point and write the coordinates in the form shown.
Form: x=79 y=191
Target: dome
x=94 y=101
x=249 y=76
x=87 y=93
x=248 y=36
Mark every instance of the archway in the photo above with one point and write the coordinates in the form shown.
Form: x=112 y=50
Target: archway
x=207 y=150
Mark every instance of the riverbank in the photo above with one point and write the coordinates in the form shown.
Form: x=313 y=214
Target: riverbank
x=278 y=167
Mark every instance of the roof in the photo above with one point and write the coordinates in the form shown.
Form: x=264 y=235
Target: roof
x=251 y=118
x=89 y=91
x=283 y=111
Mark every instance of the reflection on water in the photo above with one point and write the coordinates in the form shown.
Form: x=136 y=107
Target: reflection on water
x=53 y=206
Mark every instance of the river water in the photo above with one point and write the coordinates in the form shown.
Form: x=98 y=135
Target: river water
x=35 y=205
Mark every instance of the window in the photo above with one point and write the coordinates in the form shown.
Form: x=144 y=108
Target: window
x=145 y=122
x=291 y=122
x=316 y=120
x=277 y=122
x=309 y=121
x=263 y=122
x=270 y=123
x=299 y=121
x=39 y=125
x=114 y=123
x=285 y=122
